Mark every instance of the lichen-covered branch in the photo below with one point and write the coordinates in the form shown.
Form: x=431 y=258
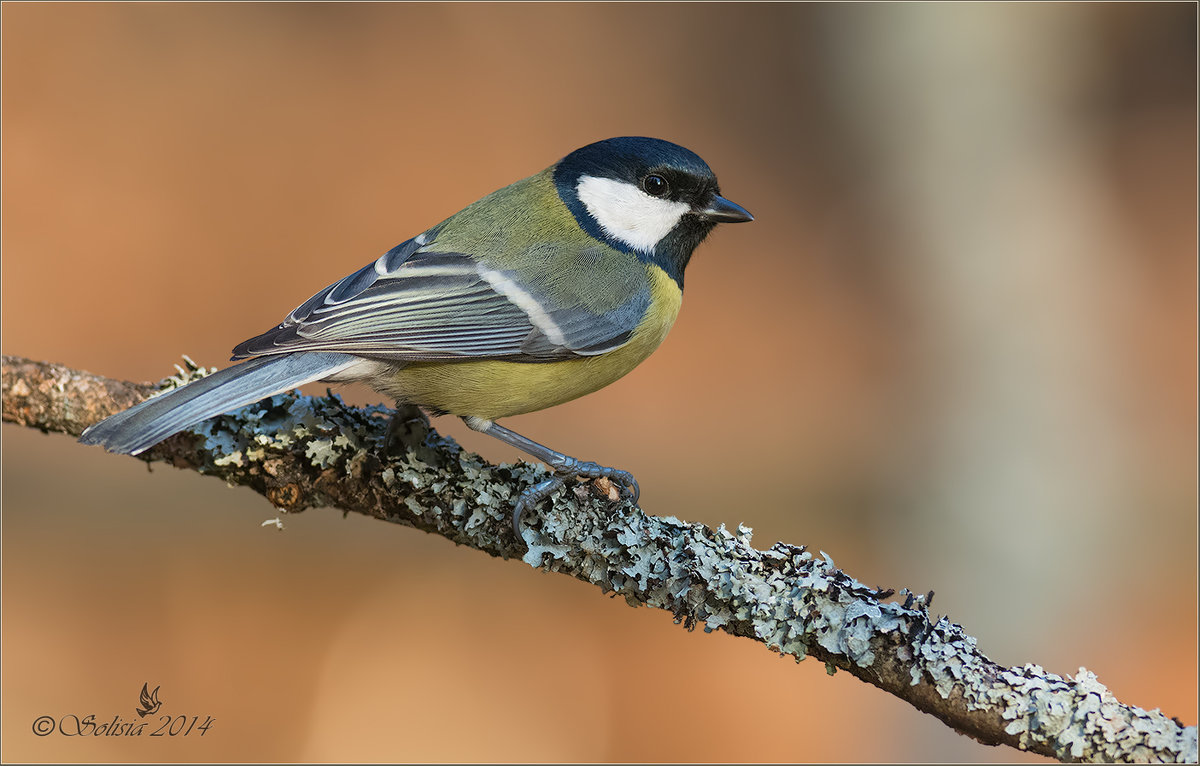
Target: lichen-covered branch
x=301 y=452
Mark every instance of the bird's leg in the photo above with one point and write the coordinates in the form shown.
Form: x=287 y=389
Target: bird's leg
x=406 y=430
x=561 y=464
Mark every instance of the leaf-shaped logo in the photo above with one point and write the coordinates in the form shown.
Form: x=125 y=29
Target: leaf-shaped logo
x=148 y=701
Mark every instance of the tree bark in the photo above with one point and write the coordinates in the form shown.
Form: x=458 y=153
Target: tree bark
x=301 y=452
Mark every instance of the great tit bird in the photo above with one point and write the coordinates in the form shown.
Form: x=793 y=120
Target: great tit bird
x=537 y=294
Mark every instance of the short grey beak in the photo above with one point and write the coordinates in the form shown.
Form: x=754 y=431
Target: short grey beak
x=721 y=210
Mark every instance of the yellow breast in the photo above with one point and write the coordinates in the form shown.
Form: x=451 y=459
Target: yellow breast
x=493 y=389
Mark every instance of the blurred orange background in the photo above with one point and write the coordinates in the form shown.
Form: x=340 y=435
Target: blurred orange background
x=956 y=351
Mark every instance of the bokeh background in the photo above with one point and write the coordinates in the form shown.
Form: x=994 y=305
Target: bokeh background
x=956 y=351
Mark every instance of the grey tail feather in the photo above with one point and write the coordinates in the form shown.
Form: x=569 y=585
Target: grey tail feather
x=146 y=424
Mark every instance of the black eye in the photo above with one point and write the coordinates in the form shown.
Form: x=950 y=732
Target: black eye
x=655 y=185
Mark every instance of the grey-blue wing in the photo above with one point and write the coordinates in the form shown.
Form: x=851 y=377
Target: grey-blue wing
x=418 y=304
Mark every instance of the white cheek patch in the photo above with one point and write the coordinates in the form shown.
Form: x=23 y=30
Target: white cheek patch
x=627 y=213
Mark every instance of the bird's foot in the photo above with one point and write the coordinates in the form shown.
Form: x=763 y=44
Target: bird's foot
x=562 y=466
x=622 y=479
x=535 y=494
x=569 y=466
x=406 y=430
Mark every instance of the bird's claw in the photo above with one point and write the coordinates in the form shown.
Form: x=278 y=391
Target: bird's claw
x=534 y=494
x=624 y=479
x=406 y=429
x=637 y=491
x=543 y=489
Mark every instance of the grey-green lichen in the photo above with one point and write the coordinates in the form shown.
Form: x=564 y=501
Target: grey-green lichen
x=303 y=451
x=782 y=596
x=283 y=421
x=1082 y=720
x=798 y=605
